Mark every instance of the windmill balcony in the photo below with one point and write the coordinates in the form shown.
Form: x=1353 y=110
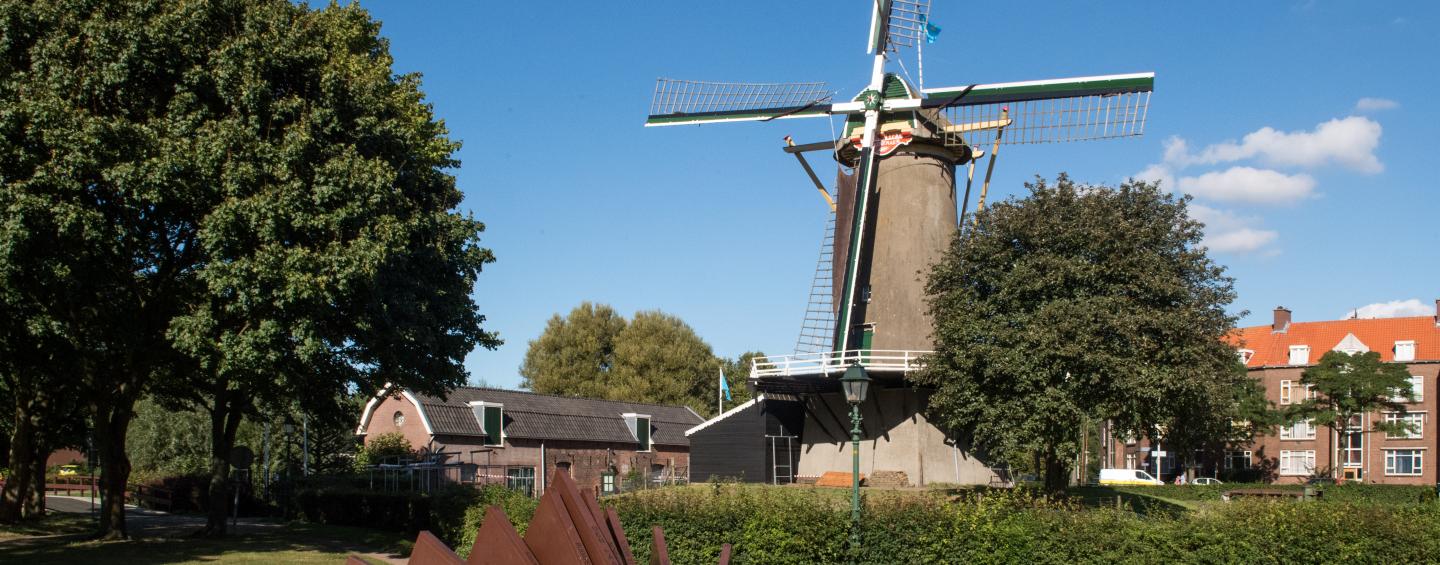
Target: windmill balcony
x=828 y=363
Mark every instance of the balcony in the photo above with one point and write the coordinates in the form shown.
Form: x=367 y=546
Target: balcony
x=829 y=363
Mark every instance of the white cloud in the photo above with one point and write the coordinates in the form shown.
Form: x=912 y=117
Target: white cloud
x=1247 y=184
x=1392 y=309
x=1350 y=142
x=1226 y=232
x=1158 y=173
x=1375 y=104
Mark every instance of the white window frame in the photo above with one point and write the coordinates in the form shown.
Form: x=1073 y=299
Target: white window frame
x=1131 y=460
x=1418 y=455
x=482 y=405
x=1306 y=458
x=1245 y=355
x=1231 y=456
x=1287 y=391
x=633 y=421
x=1358 y=451
x=1405 y=350
x=1417 y=388
x=1287 y=432
x=1417 y=418
x=1299 y=355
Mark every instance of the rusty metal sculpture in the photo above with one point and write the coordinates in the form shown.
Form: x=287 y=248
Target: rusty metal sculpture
x=567 y=529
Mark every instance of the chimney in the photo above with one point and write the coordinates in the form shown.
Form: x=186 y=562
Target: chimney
x=1282 y=320
x=1437 y=312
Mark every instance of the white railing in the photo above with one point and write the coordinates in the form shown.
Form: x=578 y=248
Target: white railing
x=835 y=362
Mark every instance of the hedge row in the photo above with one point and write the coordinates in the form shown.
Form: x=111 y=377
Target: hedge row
x=1351 y=492
x=794 y=526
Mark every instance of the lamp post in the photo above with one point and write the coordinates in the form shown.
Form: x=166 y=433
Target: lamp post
x=855 y=383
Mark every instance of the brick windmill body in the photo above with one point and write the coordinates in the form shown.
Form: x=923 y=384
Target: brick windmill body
x=894 y=213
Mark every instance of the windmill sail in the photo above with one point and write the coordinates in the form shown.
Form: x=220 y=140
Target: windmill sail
x=1045 y=111
x=680 y=102
x=906 y=23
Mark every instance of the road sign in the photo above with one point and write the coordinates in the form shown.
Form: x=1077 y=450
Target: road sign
x=1160 y=454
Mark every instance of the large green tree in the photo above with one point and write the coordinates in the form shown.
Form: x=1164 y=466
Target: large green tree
x=594 y=352
x=1349 y=386
x=244 y=207
x=1077 y=303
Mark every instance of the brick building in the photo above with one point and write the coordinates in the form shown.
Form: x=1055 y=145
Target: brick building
x=493 y=435
x=1277 y=355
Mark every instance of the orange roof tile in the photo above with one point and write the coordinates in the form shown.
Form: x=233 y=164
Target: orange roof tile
x=1379 y=334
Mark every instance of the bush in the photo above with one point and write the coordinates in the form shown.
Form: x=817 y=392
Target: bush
x=382 y=447
x=400 y=512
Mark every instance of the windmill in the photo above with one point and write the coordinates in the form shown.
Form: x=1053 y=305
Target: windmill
x=897 y=213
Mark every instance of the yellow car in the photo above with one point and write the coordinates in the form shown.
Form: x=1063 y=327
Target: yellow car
x=68 y=470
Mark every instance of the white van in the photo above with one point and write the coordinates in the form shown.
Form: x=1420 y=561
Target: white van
x=1127 y=477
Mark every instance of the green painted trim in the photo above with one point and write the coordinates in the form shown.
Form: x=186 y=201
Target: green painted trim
x=868 y=166
x=701 y=117
x=1055 y=90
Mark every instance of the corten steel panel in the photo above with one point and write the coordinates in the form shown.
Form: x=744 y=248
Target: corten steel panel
x=429 y=550
x=497 y=543
x=552 y=536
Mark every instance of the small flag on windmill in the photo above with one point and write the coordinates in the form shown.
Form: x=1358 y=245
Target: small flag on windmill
x=724 y=386
x=932 y=31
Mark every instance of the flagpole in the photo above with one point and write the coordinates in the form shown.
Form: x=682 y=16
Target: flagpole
x=720 y=394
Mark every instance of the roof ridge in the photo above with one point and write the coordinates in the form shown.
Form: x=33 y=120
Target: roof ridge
x=532 y=393
x=1342 y=321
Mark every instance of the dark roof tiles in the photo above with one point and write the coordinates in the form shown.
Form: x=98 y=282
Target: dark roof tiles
x=541 y=416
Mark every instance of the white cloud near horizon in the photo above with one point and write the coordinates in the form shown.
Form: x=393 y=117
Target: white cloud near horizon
x=1349 y=142
x=1368 y=104
x=1392 y=309
x=1227 y=232
x=1249 y=185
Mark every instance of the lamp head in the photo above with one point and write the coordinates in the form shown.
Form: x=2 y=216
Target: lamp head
x=855 y=383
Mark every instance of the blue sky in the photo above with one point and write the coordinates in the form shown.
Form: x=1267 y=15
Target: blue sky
x=1304 y=129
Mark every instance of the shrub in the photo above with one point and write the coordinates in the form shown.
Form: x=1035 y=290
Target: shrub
x=400 y=512
x=383 y=446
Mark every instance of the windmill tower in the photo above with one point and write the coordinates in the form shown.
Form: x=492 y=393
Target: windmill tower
x=895 y=216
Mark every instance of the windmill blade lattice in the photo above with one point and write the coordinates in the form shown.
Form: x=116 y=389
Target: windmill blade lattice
x=906 y=24
x=690 y=101
x=1102 y=116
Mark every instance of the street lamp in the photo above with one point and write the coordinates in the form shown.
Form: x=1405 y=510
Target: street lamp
x=855 y=383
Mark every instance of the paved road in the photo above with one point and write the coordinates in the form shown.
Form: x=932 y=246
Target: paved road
x=154 y=523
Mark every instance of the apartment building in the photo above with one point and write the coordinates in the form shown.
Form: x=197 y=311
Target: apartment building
x=1277 y=355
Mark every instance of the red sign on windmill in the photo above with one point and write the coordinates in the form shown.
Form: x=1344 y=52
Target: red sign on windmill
x=888 y=142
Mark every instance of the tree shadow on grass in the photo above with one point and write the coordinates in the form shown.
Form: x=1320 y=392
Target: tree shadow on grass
x=1139 y=503
x=290 y=543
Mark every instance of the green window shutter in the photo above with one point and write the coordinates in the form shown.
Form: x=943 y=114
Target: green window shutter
x=494 y=423
x=642 y=433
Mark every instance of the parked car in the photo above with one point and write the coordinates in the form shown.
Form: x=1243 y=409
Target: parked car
x=1207 y=481
x=67 y=470
x=1120 y=477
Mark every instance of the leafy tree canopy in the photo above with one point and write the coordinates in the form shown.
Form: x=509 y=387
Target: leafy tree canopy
x=1349 y=386
x=594 y=352
x=1077 y=303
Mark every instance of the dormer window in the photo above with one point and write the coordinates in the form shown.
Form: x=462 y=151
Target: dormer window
x=639 y=425
x=1245 y=355
x=1405 y=350
x=1299 y=355
x=491 y=416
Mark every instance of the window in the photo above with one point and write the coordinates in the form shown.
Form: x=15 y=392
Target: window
x=1299 y=355
x=1246 y=355
x=521 y=479
x=1129 y=460
x=399 y=419
x=491 y=416
x=1298 y=430
x=1237 y=459
x=1286 y=390
x=1405 y=350
x=639 y=429
x=1404 y=461
x=1417 y=391
x=1415 y=421
x=607 y=482
x=1352 y=448
x=1297 y=462
x=1292 y=392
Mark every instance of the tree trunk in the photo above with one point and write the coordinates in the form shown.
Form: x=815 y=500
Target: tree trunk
x=112 y=423
x=224 y=423
x=17 y=484
x=35 y=506
x=1056 y=475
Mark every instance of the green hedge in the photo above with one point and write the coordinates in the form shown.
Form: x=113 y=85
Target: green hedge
x=1350 y=492
x=796 y=526
x=399 y=512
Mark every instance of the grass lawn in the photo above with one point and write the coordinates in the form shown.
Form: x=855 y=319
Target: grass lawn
x=287 y=543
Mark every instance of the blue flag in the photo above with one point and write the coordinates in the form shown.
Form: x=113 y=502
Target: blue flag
x=724 y=386
x=932 y=32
